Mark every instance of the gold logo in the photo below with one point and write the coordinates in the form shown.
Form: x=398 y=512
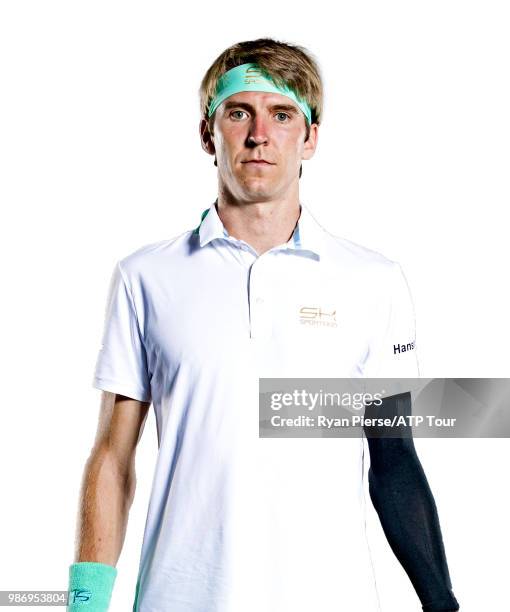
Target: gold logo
x=317 y=317
x=252 y=75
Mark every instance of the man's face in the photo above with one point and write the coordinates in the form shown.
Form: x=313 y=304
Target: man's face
x=259 y=143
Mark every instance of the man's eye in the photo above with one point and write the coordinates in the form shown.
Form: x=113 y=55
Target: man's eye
x=284 y=116
x=235 y=114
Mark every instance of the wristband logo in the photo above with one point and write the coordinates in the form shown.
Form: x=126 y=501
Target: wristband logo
x=80 y=596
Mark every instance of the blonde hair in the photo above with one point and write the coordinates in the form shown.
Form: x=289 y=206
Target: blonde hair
x=286 y=64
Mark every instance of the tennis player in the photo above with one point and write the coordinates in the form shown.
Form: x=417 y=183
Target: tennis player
x=236 y=522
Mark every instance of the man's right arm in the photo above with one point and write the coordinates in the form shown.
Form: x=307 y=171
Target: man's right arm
x=109 y=480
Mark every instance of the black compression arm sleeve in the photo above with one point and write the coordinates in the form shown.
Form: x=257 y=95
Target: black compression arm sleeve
x=406 y=508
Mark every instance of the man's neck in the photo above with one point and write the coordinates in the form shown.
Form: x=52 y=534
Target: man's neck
x=262 y=225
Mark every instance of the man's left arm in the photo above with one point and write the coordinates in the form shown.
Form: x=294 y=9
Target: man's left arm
x=406 y=508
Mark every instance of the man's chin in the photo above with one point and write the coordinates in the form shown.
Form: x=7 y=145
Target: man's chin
x=258 y=195
x=258 y=189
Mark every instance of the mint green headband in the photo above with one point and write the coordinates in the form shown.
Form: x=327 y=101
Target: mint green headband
x=249 y=77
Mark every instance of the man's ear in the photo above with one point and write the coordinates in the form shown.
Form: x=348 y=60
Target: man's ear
x=206 y=138
x=311 y=142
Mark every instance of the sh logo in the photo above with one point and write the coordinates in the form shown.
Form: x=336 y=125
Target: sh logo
x=317 y=317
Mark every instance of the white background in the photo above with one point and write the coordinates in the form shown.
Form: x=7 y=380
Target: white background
x=100 y=154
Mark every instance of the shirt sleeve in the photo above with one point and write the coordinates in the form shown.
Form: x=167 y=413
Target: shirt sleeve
x=392 y=350
x=121 y=365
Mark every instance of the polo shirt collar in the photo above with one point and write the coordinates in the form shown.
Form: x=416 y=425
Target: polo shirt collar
x=211 y=226
x=308 y=235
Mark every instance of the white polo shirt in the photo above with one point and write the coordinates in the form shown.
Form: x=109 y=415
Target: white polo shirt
x=238 y=523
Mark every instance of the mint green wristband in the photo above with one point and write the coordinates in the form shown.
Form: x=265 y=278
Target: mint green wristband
x=90 y=586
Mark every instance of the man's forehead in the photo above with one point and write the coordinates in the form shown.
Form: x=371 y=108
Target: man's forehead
x=259 y=98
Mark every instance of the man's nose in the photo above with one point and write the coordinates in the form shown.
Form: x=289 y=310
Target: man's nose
x=258 y=133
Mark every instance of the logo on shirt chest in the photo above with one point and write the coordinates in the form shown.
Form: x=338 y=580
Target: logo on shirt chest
x=316 y=316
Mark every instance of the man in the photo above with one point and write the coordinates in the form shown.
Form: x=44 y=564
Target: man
x=240 y=523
